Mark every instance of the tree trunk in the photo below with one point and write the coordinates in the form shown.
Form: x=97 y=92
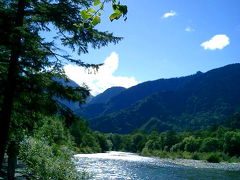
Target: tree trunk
x=5 y=115
x=12 y=160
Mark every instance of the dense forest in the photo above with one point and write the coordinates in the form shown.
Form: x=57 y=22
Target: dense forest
x=213 y=144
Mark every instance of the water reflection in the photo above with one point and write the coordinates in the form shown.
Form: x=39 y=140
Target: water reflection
x=129 y=166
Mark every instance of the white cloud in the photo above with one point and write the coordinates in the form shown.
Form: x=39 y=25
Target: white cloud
x=101 y=80
x=169 y=14
x=216 y=42
x=189 y=29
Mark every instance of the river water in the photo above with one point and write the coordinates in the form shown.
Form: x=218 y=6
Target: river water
x=128 y=166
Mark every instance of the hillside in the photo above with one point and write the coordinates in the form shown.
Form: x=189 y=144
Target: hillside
x=185 y=103
x=106 y=95
x=97 y=104
x=70 y=104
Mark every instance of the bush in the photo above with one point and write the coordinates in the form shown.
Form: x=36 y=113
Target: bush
x=211 y=145
x=214 y=158
x=146 y=152
x=232 y=143
x=53 y=131
x=47 y=152
x=153 y=144
x=195 y=156
x=177 y=147
x=191 y=144
x=90 y=142
x=48 y=162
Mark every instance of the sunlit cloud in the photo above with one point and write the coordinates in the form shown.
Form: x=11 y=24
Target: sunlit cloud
x=216 y=42
x=101 y=80
x=169 y=14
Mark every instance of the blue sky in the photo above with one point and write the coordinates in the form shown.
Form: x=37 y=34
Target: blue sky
x=156 y=47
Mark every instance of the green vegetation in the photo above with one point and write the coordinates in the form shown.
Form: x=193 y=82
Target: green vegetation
x=48 y=152
x=180 y=104
x=215 y=144
x=35 y=126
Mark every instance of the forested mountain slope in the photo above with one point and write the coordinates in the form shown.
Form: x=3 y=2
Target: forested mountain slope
x=96 y=105
x=185 y=103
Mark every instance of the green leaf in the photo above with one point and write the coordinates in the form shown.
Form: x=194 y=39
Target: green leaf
x=85 y=15
x=91 y=10
x=114 y=6
x=96 y=20
x=115 y=16
x=123 y=9
x=102 y=7
x=99 y=14
x=96 y=2
x=118 y=12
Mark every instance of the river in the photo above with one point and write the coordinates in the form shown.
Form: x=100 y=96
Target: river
x=129 y=166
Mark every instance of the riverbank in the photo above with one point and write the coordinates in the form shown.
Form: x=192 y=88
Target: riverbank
x=205 y=165
x=213 y=157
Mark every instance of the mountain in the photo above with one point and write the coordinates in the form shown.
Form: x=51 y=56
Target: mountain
x=70 y=104
x=185 y=103
x=106 y=95
x=97 y=104
x=126 y=97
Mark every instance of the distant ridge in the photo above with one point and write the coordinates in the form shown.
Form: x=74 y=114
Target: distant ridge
x=107 y=95
x=97 y=104
x=190 y=102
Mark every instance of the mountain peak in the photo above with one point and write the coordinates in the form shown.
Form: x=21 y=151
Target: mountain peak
x=107 y=95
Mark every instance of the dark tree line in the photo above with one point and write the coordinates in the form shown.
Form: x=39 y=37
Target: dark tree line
x=214 y=144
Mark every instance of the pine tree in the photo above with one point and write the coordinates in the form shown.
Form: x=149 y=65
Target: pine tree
x=30 y=64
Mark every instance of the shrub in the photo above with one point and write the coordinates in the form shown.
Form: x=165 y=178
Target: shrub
x=90 y=142
x=146 y=152
x=48 y=162
x=232 y=143
x=211 y=145
x=177 y=147
x=195 y=156
x=191 y=144
x=214 y=158
x=53 y=131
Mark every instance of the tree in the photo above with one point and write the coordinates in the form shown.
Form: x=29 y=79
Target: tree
x=170 y=139
x=138 y=142
x=191 y=144
x=210 y=144
x=155 y=141
x=116 y=140
x=29 y=63
x=103 y=142
x=78 y=129
x=232 y=143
